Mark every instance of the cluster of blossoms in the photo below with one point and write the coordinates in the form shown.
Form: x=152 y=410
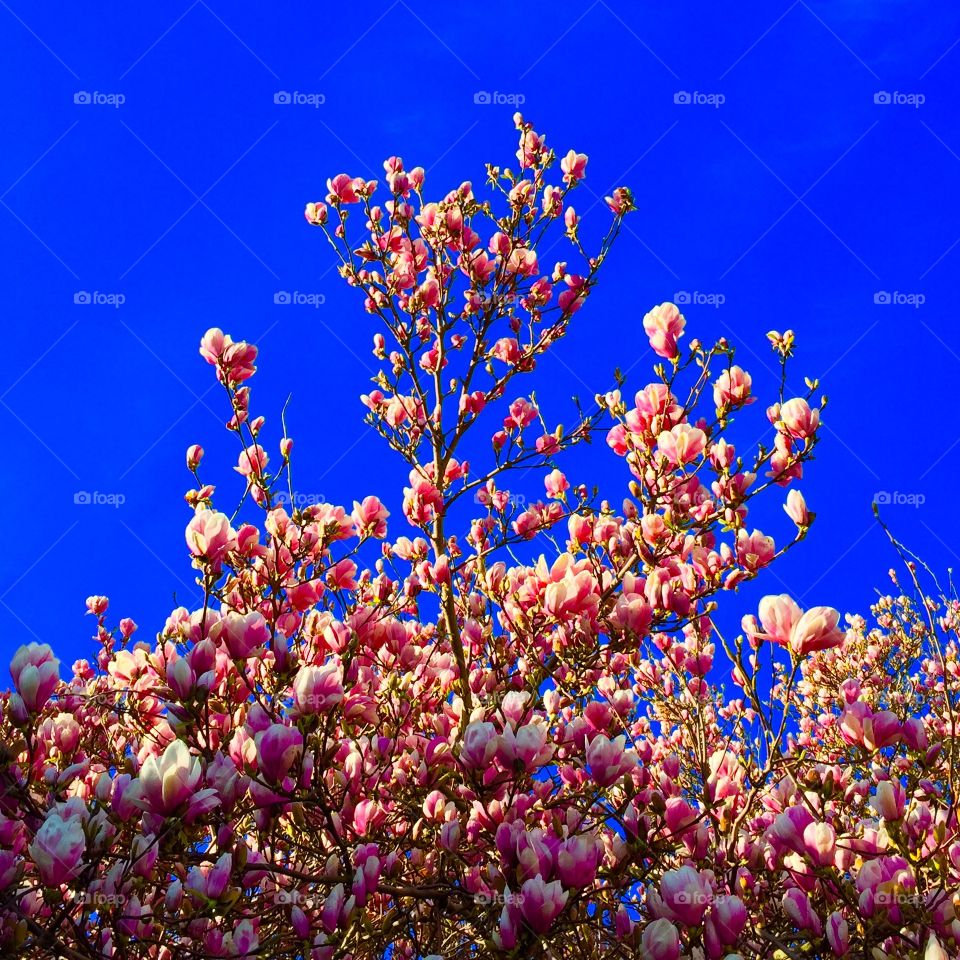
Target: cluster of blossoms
x=445 y=752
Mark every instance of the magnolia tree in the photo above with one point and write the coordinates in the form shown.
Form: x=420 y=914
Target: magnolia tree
x=370 y=744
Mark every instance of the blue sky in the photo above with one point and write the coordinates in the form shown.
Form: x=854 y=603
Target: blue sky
x=177 y=183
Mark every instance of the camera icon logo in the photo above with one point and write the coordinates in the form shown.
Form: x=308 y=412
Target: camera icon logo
x=293 y=897
x=281 y=297
x=881 y=96
x=81 y=296
x=482 y=97
x=881 y=296
x=681 y=297
x=81 y=96
x=282 y=96
x=681 y=96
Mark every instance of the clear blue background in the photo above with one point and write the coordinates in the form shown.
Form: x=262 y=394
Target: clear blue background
x=799 y=199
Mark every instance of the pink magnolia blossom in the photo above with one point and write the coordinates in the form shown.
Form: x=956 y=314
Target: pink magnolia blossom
x=609 y=759
x=754 y=550
x=542 y=902
x=838 y=934
x=660 y=941
x=802 y=633
x=316 y=214
x=528 y=746
x=790 y=827
x=816 y=630
x=577 y=861
x=686 y=895
x=889 y=800
x=317 y=689
x=574 y=166
x=778 y=616
x=36 y=674
x=169 y=780
x=732 y=389
x=728 y=915
x=556 y=484
x=796 y=905
x=240 y=634
x=58 y=849
x=522 y=262
x=873 y=731
x=796 y=509
x=664 y=327
x=371 y=517
x=279 y=747
x=820 y=841
x=252 y=462
x=210 y=535
x=934 y=950
x=682 y=444
x=480 y=744
x=798 y=419
x=621 y=202
x=343 y=189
